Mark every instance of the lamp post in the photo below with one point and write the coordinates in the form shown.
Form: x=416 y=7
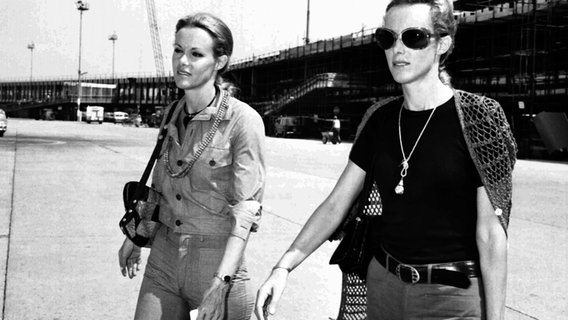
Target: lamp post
x=31 y=46
x=307 y=39
x=113 y=37
x=81 y=6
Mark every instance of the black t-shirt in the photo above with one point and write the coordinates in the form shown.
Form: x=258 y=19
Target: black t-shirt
x=435 y=219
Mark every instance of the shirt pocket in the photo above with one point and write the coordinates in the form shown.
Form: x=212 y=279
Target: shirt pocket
x=214 y=171
x=217 y=158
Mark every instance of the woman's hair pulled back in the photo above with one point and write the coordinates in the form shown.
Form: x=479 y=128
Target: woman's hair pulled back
x=219 y=31
x=443 y=22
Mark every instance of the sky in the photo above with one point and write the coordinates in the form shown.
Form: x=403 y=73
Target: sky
x=258 y=27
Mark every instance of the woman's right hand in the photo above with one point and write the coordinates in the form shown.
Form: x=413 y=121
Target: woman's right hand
x=129 y=258
x=270 y=292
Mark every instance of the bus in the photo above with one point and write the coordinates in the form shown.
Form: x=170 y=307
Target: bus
x=95 y=113
x=3 y=122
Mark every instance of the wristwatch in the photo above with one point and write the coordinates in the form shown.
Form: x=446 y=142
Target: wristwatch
x=223 y=277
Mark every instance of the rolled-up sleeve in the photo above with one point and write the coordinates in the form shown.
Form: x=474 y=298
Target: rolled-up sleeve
x=248 y=158
x=248 y=172
x=245 y=217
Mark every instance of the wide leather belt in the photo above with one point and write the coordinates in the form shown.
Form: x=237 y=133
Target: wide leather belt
x=454 y=274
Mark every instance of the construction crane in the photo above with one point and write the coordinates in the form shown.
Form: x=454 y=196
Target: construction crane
x=155 y=34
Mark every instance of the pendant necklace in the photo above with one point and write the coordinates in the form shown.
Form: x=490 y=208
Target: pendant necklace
x=189 y=116
x=399 y=189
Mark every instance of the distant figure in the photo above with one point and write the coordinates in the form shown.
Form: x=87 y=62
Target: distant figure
x=208 y=181
x=336 y=128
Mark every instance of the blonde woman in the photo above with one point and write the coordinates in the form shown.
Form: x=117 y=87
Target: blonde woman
x=209 y=178
x=442 y=160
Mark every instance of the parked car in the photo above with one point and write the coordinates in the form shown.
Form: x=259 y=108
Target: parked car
x=286 y=126
x=134 y=119
x=328 y=136
x=47 y=114
x=155 y=118
x=120 y=117
x=109 y=116
x=116 y=116
x=3 y=123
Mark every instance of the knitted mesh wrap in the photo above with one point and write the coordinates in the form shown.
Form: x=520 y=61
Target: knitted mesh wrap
x=354 y=293
x=493 y=150
x=491 y=146
x=353 y=298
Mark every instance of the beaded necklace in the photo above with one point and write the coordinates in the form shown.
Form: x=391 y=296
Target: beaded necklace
x=204 y=143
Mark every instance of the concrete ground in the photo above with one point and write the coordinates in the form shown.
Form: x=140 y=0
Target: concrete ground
x=60 y=202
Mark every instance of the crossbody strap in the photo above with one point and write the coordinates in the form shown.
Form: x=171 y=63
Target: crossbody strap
x=367 y=186
x=163 y=134
x=359 y=207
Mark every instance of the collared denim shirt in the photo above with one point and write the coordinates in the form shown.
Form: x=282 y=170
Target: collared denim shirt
x=230 y=170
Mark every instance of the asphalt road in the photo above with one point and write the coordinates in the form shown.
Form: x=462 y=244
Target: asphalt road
x=60 y=202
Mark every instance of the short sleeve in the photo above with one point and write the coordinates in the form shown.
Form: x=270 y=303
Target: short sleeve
x=360 y=152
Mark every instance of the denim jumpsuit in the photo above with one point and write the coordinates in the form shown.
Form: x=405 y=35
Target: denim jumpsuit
x=195 y=210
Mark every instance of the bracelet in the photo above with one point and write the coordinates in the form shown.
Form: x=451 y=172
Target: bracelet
x=280 y=267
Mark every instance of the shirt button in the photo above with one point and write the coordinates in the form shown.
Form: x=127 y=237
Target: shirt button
x=178 y=223
x=178 y=196
x=212 y=163
x=179 y=163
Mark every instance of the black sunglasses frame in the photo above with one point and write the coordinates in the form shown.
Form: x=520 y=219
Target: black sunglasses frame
x=422 y=42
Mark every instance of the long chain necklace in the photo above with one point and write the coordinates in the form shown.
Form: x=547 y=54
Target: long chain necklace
x=399 y=189
x=204 y=143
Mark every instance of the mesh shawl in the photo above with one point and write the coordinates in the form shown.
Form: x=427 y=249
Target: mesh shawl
x=493 y=150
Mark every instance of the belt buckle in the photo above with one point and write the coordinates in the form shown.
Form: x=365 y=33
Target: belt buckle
x=407 y=273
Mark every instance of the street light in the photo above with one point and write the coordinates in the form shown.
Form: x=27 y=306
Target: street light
x=31 y=46
x=307 y=38
x=81 y=6
x=113 y=37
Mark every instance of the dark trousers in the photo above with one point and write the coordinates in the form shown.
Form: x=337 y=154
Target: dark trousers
x=390 y=298
x=336 y=133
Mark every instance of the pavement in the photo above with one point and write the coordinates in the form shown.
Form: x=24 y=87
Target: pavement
x=60 y=202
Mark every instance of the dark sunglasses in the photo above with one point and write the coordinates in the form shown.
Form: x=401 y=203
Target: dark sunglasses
x=413 y=38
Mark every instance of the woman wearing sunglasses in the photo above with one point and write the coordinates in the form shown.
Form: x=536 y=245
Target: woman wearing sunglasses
x=442 y=161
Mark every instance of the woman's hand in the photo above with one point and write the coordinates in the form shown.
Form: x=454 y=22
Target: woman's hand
x=213 y=305
x=129 y=258
x=269 y=293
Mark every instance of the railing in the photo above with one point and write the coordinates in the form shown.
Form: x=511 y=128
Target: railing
x=86 y=77
x=33 y=104
x=319 y=81
x=505 y=10
x=355 y=38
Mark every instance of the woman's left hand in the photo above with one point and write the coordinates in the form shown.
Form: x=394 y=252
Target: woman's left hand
x=129 y=258
x=213 y=305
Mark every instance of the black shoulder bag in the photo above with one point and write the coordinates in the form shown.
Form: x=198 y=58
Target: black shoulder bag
x=354 y=252
x=136 y=192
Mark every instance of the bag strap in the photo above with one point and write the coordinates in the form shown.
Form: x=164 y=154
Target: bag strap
x=163 y=134
x=356 y=209
x=367 y=185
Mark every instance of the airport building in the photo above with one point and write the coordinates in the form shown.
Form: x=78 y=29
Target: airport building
x=512 y=51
